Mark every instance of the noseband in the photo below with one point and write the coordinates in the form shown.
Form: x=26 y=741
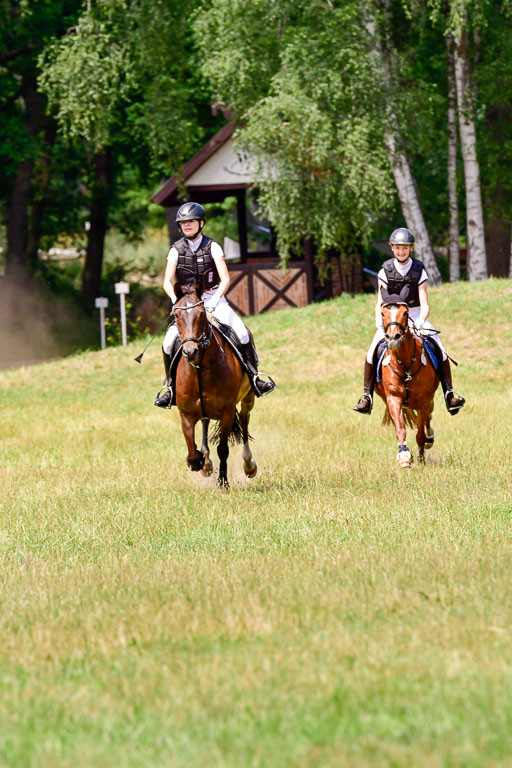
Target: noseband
x=203 y=340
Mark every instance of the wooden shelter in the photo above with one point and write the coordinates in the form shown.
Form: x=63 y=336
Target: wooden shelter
x=258 y=284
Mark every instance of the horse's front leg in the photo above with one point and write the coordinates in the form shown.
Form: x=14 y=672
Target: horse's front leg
x=205 y=450
x=395 y=409
x=195 y=459
x=225 y=425
x=246 y=406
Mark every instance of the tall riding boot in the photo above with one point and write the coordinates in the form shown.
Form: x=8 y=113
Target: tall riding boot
x=365 y=403
x=260 y=386
x=453 y=400
x=164 y=396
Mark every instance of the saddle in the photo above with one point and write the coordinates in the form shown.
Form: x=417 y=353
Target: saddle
x=429 y=348
x=226 y=332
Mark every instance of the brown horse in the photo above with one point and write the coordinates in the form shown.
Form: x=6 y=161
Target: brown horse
x=210 y=382
x=409 y=382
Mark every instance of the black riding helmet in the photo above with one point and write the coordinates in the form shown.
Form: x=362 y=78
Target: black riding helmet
x=189 y=212
x=401 y=236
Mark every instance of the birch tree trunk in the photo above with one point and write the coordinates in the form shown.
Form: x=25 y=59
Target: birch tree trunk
x=476 y=259
x=410 y=205
x=400 y=167
x=453 y=247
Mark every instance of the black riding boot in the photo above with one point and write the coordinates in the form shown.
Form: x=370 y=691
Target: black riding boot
x=260 y=386
x=453 y=400
x=164 y=396
x=365 y=402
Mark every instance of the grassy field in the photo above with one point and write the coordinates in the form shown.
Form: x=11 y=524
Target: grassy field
x=334 y=611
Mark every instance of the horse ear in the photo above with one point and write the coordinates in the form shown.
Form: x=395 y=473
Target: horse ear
x=384 y=294
x=199 y=288
x=178 y=291
x=404 y=293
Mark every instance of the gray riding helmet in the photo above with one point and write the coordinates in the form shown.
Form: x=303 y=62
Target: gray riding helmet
x=190 y=212
x=401 y=236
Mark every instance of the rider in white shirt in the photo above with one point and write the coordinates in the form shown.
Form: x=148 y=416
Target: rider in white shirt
x=197 y=258
x=407 y=274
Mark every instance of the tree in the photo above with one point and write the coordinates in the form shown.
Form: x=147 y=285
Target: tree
x=477 y=261
x=301 y=81
x=124 y=76
x=26 y=131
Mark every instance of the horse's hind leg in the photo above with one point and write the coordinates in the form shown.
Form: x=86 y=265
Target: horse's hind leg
x=225 y=426
x=246 y=406
x=429 y=431
x=205 y=450
x=420 y=434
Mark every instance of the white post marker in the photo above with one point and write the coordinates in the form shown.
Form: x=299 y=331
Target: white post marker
x=122 y=289
x=101 y=303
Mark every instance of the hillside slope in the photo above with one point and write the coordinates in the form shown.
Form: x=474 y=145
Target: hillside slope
x=333 y=611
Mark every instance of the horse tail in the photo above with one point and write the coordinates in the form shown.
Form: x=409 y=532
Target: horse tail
x=235 y=436
x=410 y=417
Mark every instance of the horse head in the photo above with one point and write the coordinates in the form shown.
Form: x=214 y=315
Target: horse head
x=395 y=319
x=191 y=321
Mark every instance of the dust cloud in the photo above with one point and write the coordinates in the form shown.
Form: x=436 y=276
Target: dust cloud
x=35 y=325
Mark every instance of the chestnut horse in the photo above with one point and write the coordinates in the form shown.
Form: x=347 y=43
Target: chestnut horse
x=409 y=382
x=210 y=382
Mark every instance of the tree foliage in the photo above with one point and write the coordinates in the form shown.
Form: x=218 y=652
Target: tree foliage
x=312 y=117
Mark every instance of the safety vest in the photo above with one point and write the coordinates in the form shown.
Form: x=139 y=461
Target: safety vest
x=196 y=266
x=396 y=281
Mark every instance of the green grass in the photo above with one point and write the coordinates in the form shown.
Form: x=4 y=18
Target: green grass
x=334 y=611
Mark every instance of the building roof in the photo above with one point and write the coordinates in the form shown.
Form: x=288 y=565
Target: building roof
x=217 y=167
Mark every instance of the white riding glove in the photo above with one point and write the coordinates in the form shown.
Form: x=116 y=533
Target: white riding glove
x=211 y=305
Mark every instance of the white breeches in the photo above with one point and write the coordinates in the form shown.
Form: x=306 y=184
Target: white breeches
x=379 y=335
x=224 y=314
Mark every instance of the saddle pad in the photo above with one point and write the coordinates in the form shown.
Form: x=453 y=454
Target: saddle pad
x=379 y=355
x=432 y=350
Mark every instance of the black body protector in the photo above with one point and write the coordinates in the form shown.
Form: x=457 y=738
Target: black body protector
x=196 y=266
x=397 y=282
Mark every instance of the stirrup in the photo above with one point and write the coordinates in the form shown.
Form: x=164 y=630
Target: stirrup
x=270 y=381
x=166 y=389
x=453 y=409
x=369 y=399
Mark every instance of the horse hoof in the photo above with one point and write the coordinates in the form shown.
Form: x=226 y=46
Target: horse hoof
x=222 y=483
x=251 y=469
x=404 y=459
x=421 y=458
x=196 y=464
x=207 y=470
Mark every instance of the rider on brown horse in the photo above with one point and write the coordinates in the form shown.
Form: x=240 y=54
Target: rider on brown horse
x=406 y=276
x=197 y=258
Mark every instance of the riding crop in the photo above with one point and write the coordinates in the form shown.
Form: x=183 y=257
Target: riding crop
x=138 y=359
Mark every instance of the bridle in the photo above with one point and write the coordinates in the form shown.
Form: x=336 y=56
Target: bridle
x=403 y=327
x=203 y=340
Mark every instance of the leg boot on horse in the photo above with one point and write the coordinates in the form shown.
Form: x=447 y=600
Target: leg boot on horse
x=259 y=385
x=365 y=402
x=164 y=396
